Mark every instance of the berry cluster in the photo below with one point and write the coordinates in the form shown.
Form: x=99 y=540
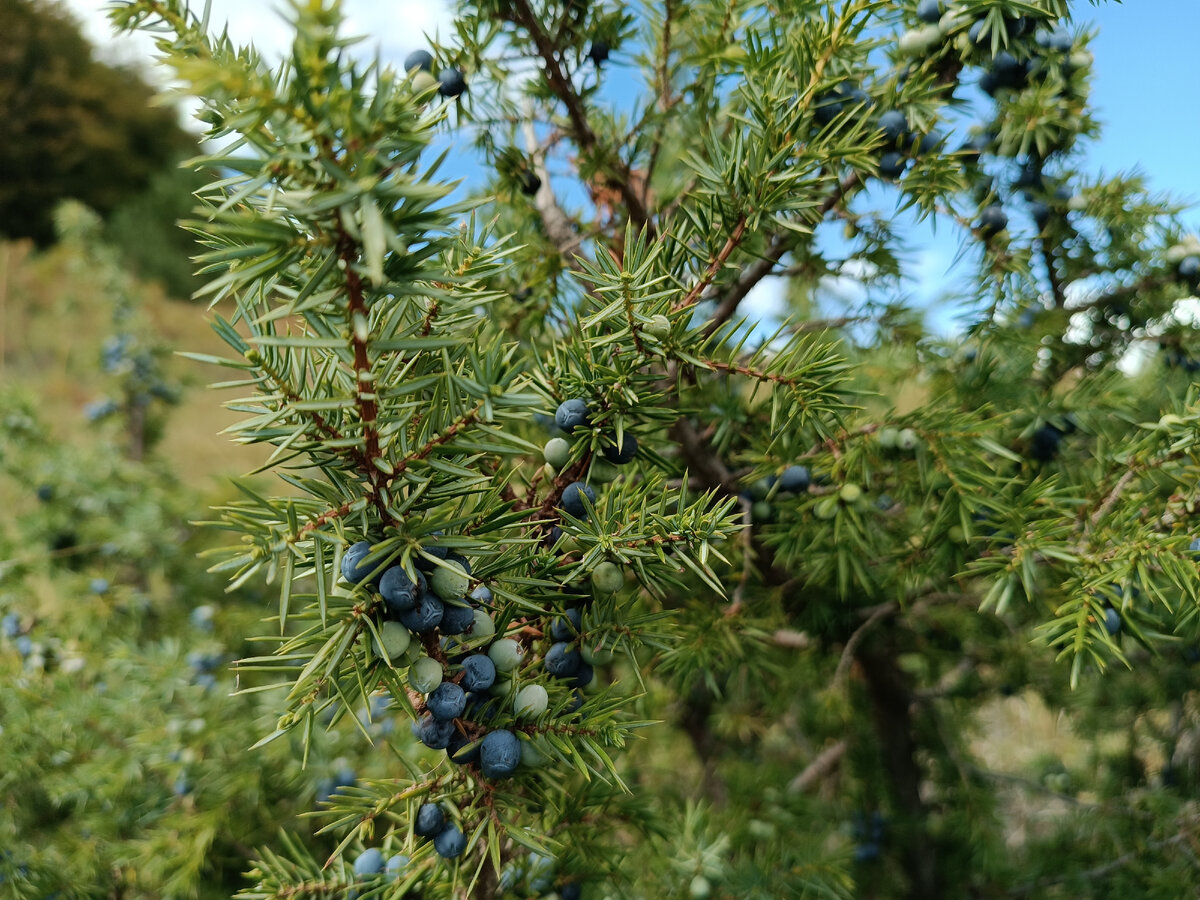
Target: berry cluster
x=370 y=867
x=479 y=695
x=571 y=416
x=450 y=81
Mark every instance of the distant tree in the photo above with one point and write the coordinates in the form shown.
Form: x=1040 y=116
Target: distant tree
x=73 y=126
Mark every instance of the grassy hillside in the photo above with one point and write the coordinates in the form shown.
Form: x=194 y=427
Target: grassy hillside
x=53 y=322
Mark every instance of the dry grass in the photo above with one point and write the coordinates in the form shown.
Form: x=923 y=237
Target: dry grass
x=53 y=321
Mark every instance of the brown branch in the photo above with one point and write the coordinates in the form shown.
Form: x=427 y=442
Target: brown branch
x=327 y=516
x=881 y=612
x=731 y=244
x=364 y=395
x=764 y=266
x=558 y=226
x=468 y=418
x=524 y=15
x=1110 y=501
x=749 y=372
x=701 y=458
x=819 y=769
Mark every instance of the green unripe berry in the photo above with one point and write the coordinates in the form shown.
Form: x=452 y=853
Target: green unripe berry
x=506 y=655
x=826 y=508
x=887 y=436
x=607 y=578
x=531 y=701
x=850 y=492
x=603 y=472
x=449 y=581
x=484 y=626
x=956 y=534
x=532 y=753
x=557 y=452
x=425 y=675
x=907 y=439
x=410 y=655
x=919 y=40
x=393 y=641
x=659 y=326
x=596 y=654
x=423 y=81
x=761 y=511
x=700 y=888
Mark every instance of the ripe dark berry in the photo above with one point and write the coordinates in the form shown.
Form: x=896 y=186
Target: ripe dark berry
x=795 y=479
x=353 y=568
x=1112 y=620
x=575 y=704
x=529 y=182
x=1007 y=71
x=1189 y=268
x=1059 y=40
x=452 y=83
x=431 y=819
x=418 y=59
x=563 y=660
x=400 y=592
x=571 y=891
x=1043 y=446
x=432 y=733
x=462 y=750
x=566 y=628
x=572 y=498
x=369 y=862
x=479 y=672
x=456 y=619
x=894 y=124
x=499 y=754
x=829 y=106
x=928 y=11
x=395 y=866
x=623 y=454
x=571 y=414
x=425 y=616
x=482 y=707
x=927 y=143
x=450 y=842
x=432 y=549
x=583 y=676
x=892 y=165
x=598 y=52
x=992 y=220
x=447 y=701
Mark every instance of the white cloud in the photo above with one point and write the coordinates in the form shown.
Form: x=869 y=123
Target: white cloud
x=764 y=301
x=394 y=28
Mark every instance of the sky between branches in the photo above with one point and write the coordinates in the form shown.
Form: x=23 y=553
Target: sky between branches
x=1144 y=90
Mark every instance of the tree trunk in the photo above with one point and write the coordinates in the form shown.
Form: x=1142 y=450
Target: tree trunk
x=891 y=700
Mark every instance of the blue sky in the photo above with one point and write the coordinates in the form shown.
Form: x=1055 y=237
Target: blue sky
x=1146 y=76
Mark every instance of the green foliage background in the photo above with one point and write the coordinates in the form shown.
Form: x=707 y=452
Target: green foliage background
x=896 y=682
